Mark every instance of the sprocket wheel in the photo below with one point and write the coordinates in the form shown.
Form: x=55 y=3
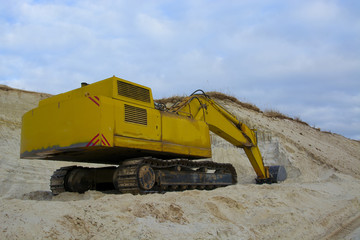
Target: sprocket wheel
x=146 y=177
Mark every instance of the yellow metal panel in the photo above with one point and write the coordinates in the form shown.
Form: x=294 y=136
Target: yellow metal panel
x=133 y=91
x=108 y=88
x=200 y=152
x=189 y=151
x=149 y=131
x=62 y=124
x=175 y=148
x=185 y=135
x=101 y=88
x=164 y=132
x=97 y=116
x=135 y=143
x=107 y=126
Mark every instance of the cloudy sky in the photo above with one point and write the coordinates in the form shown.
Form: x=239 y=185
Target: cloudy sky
x=301 y=57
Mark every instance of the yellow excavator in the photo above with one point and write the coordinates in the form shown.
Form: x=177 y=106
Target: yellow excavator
x=149 y=147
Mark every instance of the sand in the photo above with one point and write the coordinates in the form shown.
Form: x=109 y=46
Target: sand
x=319 y=200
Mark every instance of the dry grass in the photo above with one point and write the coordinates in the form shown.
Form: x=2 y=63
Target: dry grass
x=222 y=96
x=276 y=114
x=173 y=99
x=7 y=88
x=216 y=95
x=297 y=119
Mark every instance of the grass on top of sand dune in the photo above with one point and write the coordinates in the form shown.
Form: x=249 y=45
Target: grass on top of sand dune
x=222 y=96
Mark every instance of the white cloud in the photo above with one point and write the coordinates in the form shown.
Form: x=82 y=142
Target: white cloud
x=318 y=11
x=200 y=64
x=288 y=55
x=161 y=30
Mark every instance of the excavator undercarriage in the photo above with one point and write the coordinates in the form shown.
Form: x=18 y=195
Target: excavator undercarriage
x=145 y=175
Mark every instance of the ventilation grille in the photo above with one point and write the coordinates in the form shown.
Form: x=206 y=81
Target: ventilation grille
x=135 y=115
x=134 y=92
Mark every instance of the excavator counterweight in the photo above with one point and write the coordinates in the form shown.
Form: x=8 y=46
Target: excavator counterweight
x=151 y=148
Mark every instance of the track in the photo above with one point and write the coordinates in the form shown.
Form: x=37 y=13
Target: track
x=146 y=175
x=57 y=180
x=172 y=175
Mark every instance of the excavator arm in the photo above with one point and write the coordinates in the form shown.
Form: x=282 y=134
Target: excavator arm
x=226 y=125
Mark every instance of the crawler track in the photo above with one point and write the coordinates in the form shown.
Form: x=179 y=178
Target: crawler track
x=126 y=179
x=149 y=175
x=57 y=180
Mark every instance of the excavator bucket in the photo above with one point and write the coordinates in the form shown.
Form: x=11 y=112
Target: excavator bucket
x=277 y=173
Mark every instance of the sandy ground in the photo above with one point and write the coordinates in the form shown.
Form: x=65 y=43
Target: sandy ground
x=319 y=200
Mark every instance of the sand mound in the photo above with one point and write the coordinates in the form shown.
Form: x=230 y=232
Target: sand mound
x=320 y=195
